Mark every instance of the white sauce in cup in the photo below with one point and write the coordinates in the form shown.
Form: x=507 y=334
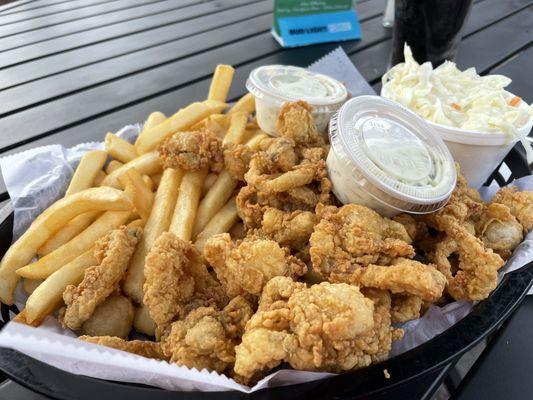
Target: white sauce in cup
x=387 y=158
x=273 y=85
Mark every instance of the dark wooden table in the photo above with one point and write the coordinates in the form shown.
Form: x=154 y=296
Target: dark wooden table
x=72 y=70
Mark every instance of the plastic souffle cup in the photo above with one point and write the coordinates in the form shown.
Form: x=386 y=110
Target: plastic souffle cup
x=387 y=158
x=273 y=85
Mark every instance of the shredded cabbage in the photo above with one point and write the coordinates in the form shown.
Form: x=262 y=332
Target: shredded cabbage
x=463 y=99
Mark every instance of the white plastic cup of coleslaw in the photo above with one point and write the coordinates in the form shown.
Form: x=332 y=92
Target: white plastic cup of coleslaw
x=387 y=158
x=273 y=85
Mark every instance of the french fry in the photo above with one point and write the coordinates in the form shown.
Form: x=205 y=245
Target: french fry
x=29 y=285
x=218 y=124
x=214 y=200
x=49 y=222
x=157 y=223
x=100 y=176
x=148 y=182
x=71 y=229
x=254 y=142
x=146 y=164
x=237 y=128
x=48 y=295
x=149 y=139
x=208 y=182
x=141 y=195
x=220 y=223
x=153 y=120
x=245 y=104
x=187 y=204
x=87 y=170
x=156 y=179
x=119 y=149
x=114 y=317
x=221 y=82
x=142 y=322
x=113 y=166
x=53 y=261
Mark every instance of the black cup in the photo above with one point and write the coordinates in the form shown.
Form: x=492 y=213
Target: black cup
x=432 y=28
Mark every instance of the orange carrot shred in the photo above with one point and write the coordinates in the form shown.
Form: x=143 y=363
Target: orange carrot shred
x=456 y=106
x=515 y=101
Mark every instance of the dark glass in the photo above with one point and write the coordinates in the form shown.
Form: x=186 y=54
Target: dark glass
x=432 y=28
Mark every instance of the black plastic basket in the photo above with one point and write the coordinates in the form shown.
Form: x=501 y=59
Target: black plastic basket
x=446 y=348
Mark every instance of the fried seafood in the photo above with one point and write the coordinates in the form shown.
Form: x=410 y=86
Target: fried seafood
x=296 y=123
x=112 y=253
x=292 y=229
x=519 y=203
x=326 y=327
x=473 y=275
x=143 y=348
x=244 y=267
x=402 y=276
x=405 y=307
x=499 y=229
x=177 y=280
x=206 y=338
x=352 y=236
x=192 y=151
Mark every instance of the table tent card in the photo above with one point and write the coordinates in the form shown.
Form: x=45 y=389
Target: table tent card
x=305 y=22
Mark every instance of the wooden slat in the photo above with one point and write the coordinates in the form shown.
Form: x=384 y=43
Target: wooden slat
x=14 y=4
x=32 y=5
x=59 y=113
x=125 y=45
x=488 y=47
x=49 y=10
x=73 y=15
x=518 y=68
x=91 y=30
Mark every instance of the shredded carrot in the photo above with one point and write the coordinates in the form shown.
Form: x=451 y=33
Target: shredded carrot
x=515 y=101
x=456 y=106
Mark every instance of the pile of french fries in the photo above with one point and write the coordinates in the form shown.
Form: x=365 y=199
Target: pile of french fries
x=126 y=185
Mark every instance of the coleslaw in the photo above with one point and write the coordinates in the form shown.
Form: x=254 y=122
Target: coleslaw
x=463 y=99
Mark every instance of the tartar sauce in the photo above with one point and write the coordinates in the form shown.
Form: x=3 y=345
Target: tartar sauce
x=385 y=157
x=274 y=85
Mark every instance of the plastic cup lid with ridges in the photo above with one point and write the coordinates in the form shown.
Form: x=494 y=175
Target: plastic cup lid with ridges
x=395 y=150
x=288 y=83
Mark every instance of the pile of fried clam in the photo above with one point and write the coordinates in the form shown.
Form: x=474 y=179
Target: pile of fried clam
x=301 y=280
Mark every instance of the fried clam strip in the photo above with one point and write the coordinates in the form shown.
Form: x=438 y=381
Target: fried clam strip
x=192 y=151
x=352 y=236
x=475 y=275
x=401 y=276
x=244 y=267
x=206 y=337
x=519 y=203
x=112 y=253
x=177 y=279
x=142 y=348
x=405 y=307
x=499 y=229
x=326 y=327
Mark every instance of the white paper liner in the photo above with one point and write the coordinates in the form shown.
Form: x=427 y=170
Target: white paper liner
x=37 y=177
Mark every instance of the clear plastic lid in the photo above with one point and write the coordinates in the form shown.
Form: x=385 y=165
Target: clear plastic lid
x=283 y=83
x=404 y=164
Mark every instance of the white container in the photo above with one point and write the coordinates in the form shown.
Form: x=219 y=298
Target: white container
x=387 y=158
x=273 y=85
x=477 y=153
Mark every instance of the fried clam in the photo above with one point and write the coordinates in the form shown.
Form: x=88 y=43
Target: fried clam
x=326 y=327
x=499 y=229
x=352 y=236
x=206 y=337
x=245 y=266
